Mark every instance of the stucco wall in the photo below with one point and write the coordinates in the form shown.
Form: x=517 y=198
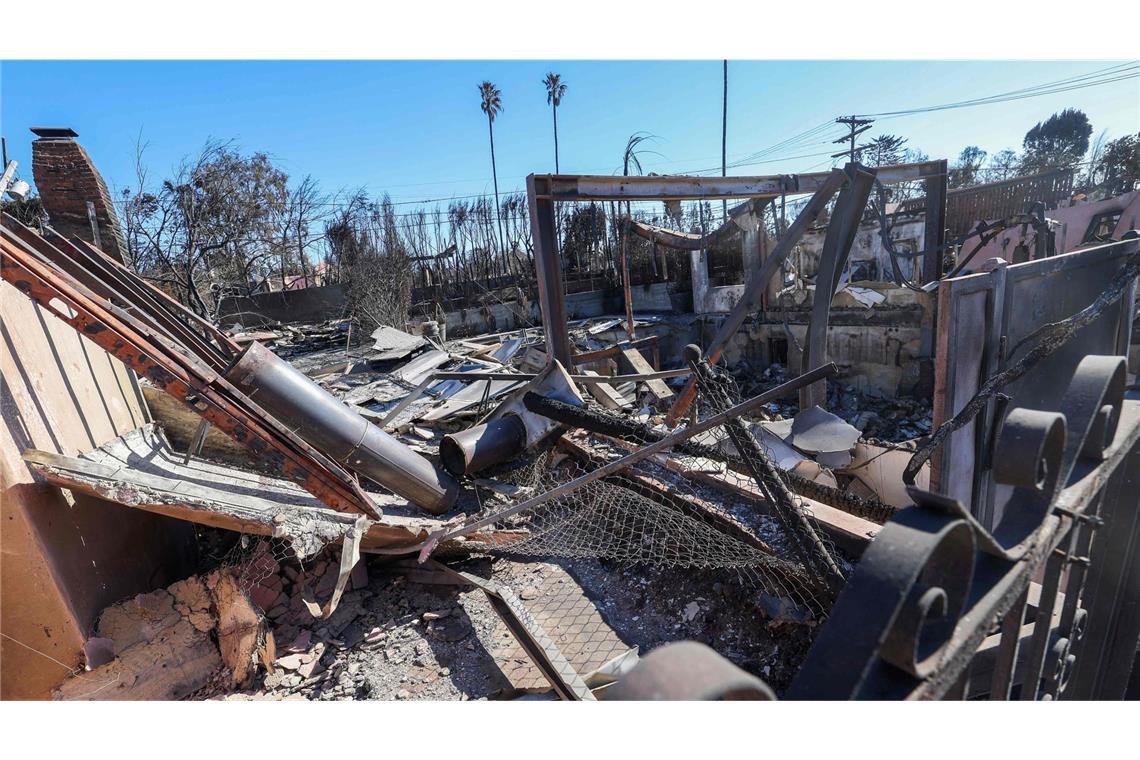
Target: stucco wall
x=63 y=558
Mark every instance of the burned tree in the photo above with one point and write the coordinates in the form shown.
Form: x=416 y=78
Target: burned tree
x=366 y=246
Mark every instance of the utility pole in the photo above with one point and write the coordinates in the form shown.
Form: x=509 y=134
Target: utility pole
x=857 y=126
x=724 y=140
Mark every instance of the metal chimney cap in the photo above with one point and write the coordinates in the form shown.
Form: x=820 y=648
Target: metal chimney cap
x=54 y=133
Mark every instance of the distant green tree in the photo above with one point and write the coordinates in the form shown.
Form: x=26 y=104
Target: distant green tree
x=883 y=150
x=969 y=167
x=1119 y=165
x=491 y=101
x=1058 y=142
x=1003 y=165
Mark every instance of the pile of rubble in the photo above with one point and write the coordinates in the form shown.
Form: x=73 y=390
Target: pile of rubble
x=422 y=518
x=877 y=417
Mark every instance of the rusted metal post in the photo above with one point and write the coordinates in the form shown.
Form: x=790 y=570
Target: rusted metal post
x=547 y=265
x=841 y=230
x=934 y=237
x=627 y=294
x=934 y=232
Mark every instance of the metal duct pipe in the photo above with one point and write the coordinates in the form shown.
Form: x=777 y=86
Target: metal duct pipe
x=331 y=426
x=482 y=446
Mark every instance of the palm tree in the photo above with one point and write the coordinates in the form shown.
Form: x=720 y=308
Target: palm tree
x=555 y=91
x=492 y=105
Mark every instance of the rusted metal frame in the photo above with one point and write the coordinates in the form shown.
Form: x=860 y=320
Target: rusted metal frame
x=162 y=302
x=543 y=190
x=568 y=187
x=757 y=284
x=181 y=376
x=98 y=310
x=96 y=278
x=548 y=269
x=841 y=231
x=159 y=296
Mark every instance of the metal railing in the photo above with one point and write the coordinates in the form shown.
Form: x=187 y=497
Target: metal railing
x=1044 y=606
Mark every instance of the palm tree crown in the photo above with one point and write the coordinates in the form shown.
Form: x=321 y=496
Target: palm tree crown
x=492 y=103
x=555 y=89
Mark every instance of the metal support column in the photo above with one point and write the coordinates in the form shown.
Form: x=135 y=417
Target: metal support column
x=548 y=268
x=841 y=231
x=935 y=226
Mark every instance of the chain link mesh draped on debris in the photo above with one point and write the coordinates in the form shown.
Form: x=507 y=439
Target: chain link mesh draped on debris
x=649 y=515
x=809 y=544
x=254 y=559
x=616 y=519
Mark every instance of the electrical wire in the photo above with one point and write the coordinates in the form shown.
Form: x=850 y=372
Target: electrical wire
x=1116 y=73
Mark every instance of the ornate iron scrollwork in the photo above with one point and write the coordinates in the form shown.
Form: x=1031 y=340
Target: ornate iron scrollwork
x=930 y=586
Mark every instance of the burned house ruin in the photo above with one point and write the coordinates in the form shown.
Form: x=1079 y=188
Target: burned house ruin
x=840 y=448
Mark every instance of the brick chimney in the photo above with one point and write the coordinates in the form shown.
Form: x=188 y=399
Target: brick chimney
x=73 y=191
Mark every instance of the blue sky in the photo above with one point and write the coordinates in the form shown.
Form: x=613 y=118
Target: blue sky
x=415 y=129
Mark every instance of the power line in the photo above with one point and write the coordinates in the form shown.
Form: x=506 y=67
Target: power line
x=1093 y=79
